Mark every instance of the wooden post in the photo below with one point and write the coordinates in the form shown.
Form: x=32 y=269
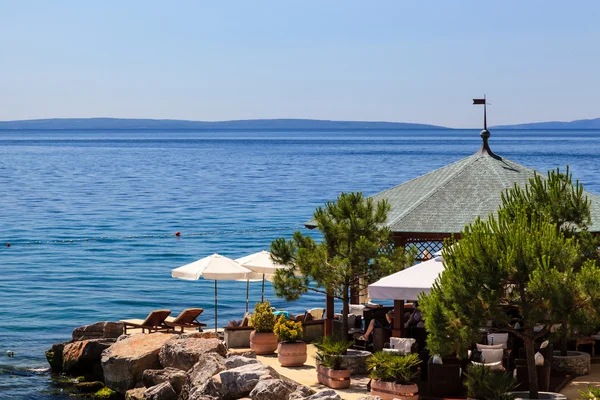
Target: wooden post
x=398 y=327
x=329 y=315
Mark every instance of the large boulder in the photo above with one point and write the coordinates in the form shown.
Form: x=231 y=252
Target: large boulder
x=238 y=361
x=273 y=389
x=184 y=353
x=135 y=394
x=325 y=395
x=124 y=362
x=99 y=330
x=238 y=382
x=301 y=392
x=176 y=377
x=83 y=357
x=162 y=391
x=208 y=365
x=54 y=357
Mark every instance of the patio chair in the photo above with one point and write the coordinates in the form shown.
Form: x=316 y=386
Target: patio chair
x=154 y=322
x=498 y=338
x=188 y=318
x=402 y=345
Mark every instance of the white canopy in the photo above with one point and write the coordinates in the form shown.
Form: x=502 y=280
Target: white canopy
x=260 y=262
x=215 y=267
x=408 y=283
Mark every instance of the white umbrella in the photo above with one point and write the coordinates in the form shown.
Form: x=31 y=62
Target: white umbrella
x=408 y=283
x=261 y=263
x=215 y=267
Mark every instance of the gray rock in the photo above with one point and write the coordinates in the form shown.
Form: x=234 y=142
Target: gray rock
x=184 y=353
x=176 y=377
x=208 y=365
x=162 y=391
x=369 y=397
x=238 y=382
x=272 y=389
x=325 y=395
x=238 y=361
x=135 y=394
x=99 y=330
x=124 y=362
x=83 y=357
x=301 y=392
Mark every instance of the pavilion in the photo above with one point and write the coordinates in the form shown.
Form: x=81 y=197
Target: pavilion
x=430 y=208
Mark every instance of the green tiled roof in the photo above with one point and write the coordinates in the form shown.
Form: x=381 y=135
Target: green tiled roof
x=445 y=200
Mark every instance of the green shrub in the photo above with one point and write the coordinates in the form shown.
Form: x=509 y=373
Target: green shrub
x=393 y=367
x=483 y=383
x=263 y=319
x=591 y=393
x=330 y=351
x=288 y=331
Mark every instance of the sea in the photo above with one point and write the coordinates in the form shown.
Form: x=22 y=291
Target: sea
x=91 y=216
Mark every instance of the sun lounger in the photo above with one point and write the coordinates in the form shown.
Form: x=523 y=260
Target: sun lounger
x=154 y=322
x=188 y=318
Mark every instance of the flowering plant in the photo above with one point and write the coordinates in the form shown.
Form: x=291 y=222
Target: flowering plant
x=263 y=319
x=288 y=331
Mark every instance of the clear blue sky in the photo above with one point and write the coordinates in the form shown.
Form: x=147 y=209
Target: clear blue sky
x=413 y=61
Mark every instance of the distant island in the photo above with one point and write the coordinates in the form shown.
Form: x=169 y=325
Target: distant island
x=173 y=124
x=577 y=124
x=256 y=124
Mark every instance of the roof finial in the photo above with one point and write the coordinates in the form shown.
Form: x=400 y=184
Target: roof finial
x=485 y=134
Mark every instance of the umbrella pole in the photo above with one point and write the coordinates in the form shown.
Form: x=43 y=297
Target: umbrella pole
x=262 y=298
x=216 y=306
x=247 y=288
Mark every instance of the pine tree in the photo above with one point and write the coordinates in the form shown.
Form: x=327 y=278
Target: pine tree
x=528 y=258
x=356 y=250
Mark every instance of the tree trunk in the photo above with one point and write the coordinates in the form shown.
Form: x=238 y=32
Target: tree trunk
x=345 y=311
x=564 y=337
x=531 y=367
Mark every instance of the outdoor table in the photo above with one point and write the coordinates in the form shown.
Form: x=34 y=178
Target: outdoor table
x=586 y=340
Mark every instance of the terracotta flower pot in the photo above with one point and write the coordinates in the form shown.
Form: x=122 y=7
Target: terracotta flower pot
x=263 y=342
x=291 y=354
x=391 y=390
x=333 y=378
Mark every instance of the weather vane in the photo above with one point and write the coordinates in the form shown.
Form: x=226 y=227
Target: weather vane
x=482 y=101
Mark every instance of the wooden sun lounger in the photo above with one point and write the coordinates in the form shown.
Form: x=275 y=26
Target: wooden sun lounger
x=154 y=322
x=188 y=318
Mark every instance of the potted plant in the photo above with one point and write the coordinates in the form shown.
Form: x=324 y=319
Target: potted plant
x=591 y=393
x=330 y=369
x=291 y=351
x=392 y=375
x=262 y=339
x=483 y=383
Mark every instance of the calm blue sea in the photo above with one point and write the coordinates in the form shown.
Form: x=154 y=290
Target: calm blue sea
x=71 y=185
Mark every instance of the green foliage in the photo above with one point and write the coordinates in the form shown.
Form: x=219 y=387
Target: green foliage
x=393 y=367
x=591 y=393
x=330 y=351
x=356 y=250
x=287 y=331
x=520 y=260
x=263 y=319
x=106 y=394
x=486 y=384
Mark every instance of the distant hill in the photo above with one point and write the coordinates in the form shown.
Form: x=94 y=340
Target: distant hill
x=267 y=124
x=578 y=124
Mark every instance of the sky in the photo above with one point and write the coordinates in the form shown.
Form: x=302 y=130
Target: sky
x=406 y=61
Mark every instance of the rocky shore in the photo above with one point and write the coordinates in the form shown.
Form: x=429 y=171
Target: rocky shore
x=105 y=364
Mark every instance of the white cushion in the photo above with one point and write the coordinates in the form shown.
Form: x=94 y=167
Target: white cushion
x=539 y=359
x=489 y=346
x=436 y=360
x=498 y=338
x=495 y=365
x=357 y=309
x=492 y=355
x=403 y=345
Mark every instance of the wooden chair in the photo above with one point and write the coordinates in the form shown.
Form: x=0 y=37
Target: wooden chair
x=154 y=322
x=188 y=318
